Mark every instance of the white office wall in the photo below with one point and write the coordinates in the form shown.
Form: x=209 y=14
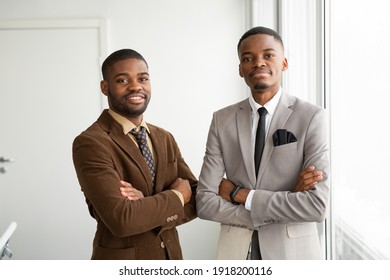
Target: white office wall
x=190 y=46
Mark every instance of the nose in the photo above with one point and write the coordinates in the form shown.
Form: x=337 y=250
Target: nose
x=259 y=62
x=134 y=86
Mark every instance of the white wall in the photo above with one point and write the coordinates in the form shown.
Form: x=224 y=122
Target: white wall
x=190 y=46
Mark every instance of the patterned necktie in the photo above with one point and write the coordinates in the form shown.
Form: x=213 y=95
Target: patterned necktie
x=143 y=146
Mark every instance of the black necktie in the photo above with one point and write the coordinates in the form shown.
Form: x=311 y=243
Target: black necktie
x=260 y=138
x=259 y=146
x=255 y=246
x=143 y=146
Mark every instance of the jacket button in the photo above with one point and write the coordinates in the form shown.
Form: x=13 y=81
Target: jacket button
x=162 y=244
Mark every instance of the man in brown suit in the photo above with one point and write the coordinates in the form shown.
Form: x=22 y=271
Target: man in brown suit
x=137 y=197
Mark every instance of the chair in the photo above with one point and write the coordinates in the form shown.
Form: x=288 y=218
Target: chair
x=5 y=252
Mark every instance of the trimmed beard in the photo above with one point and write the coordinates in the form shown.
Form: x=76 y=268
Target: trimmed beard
x=261 y=86
x=120 y=106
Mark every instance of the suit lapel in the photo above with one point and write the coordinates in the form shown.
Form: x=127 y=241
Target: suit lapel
x=281 y=115
x=115 y=132
x=244 y=129
x=161 y=156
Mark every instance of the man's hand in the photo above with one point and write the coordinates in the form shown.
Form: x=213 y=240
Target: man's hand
x=225 y=187
x=129 y=192
x=183 y=186
x=307 y=179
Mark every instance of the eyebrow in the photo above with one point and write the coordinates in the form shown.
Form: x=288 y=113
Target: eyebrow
x=127 y=74
x=265 y=50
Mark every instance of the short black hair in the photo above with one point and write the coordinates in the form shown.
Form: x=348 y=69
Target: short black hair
x=118 y=56
x=260 y=30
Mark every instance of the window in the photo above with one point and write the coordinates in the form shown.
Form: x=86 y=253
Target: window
x=359 y=99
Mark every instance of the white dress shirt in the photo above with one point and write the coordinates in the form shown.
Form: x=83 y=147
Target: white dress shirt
x=271 y=107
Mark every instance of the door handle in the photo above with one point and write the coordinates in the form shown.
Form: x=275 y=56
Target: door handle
x=4 y=160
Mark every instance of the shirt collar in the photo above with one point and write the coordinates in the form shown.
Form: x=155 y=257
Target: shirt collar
x=270 y=105
x=127 y=125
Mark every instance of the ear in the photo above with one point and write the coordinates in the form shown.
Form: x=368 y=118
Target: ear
x=104 y=87
x=284 y=64
x=239 y=71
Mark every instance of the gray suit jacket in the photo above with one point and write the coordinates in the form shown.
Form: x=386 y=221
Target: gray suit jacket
x=286 y=221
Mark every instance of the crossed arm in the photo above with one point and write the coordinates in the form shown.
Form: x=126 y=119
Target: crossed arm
x=307 y=179
x=179 y=186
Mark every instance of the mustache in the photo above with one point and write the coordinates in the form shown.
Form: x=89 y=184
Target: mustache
x=260 y=71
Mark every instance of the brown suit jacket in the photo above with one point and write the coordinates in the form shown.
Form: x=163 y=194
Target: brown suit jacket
x=143 y=229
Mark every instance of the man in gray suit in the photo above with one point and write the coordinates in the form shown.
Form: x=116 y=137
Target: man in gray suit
x=280 y=204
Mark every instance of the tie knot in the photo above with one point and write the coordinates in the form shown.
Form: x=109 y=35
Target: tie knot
x=139 y=135
x=262 y=111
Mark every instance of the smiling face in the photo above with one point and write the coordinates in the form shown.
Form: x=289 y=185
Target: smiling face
x=128 y=89
x=262 y=62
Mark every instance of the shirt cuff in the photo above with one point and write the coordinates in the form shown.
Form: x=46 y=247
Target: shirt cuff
x=180 y=196
x=248 y=202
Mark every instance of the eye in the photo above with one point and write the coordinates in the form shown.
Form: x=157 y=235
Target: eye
x=246 y=59
x=122 y=81
x=143 y=79
x=269 y=55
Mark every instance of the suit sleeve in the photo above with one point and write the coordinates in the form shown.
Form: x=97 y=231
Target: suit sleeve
x=285 y=206
x=184 y=172
x=99 y=178
x=210 y=205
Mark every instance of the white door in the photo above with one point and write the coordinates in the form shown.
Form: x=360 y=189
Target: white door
x=49 y=93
